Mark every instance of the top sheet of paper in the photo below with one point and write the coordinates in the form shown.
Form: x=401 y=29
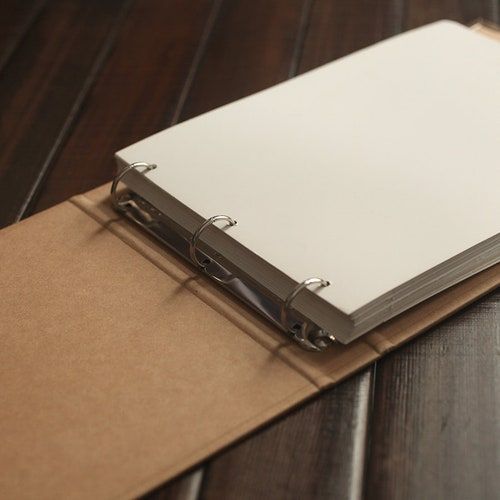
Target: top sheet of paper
x=367 y=171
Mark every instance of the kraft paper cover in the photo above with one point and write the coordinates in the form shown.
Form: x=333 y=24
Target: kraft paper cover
x=121 y=366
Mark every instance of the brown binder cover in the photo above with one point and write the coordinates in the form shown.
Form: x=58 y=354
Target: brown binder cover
x=120 y=366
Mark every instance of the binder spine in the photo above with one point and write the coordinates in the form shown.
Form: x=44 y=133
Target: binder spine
x=279 y=312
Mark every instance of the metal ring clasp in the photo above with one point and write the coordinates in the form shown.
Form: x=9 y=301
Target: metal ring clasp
x=117 y=204
x=193 y=243
x=300 y=335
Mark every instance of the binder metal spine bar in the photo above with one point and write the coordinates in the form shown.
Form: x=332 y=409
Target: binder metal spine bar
x=279 y=312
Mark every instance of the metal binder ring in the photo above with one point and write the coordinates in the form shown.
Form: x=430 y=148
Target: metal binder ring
x=194 y=242
x=300 y=335
x=119 y=205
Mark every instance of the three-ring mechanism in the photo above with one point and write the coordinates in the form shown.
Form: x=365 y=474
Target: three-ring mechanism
x=307 y=336
x=117 y=202
x=300 y=331
x=193 y=243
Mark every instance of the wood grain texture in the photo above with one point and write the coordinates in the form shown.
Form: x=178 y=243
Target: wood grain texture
x=340 y=27
x=436 y=415
x=419 y=12
x=15 y=20
x=135 y=95
x=315 y=452
x=186 y=487
x=42 y=88
x=251 y=48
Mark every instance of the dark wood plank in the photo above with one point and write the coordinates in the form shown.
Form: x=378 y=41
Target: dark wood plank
x=185 y=487
x=318 y=451
x=421 y=12
x=315 y=452
x=136 y=94
x=251 y=48
x=42 y=88
x=15 y=21
x=340 y=27
x=435 y=426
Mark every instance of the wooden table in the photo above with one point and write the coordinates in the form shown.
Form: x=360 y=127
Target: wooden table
x=79 y=79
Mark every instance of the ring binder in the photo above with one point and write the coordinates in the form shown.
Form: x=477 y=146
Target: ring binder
x=300 y=331
x=117 y=203
x=185 y=243
x=194 y=242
